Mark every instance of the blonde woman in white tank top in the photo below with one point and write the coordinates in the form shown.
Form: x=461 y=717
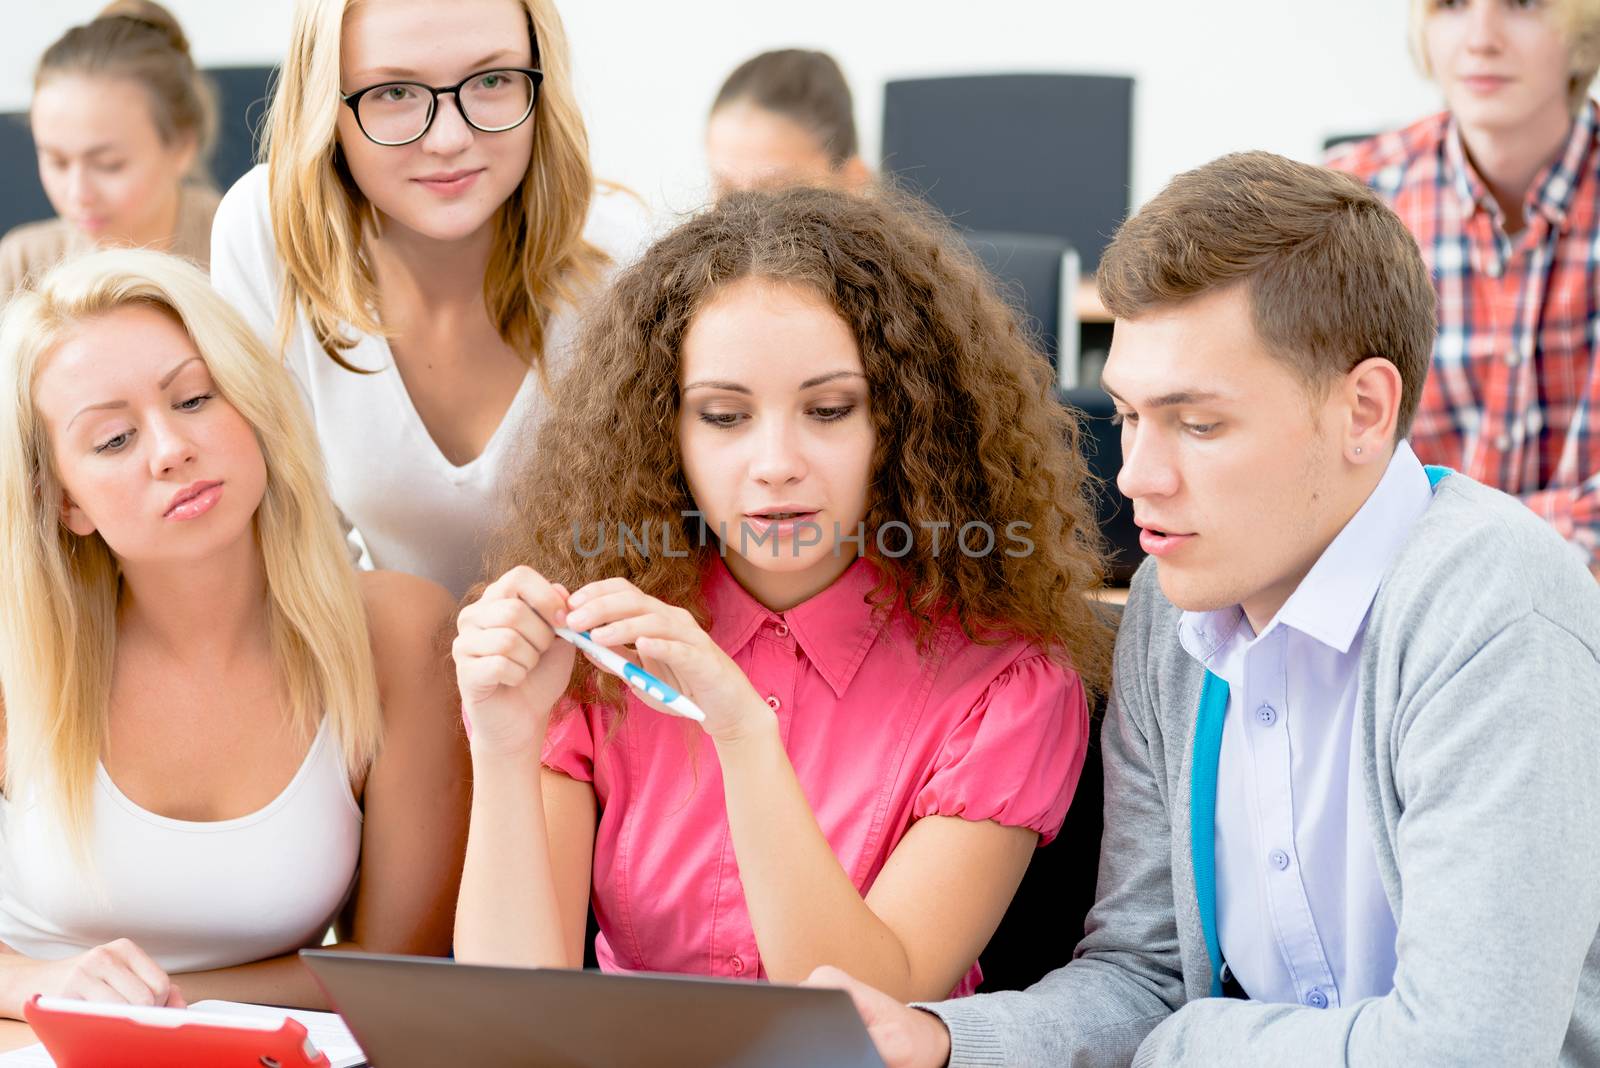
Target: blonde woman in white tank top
x=219 y=739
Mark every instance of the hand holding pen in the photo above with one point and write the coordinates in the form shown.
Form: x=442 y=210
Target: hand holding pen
x=672 y=648
x=510 y=666
x=513 y=656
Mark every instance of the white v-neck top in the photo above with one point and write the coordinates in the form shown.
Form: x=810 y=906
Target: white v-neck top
x=414 y=510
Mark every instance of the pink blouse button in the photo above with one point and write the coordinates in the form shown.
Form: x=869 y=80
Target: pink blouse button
x=781 y=629
x=774 y=703
x=737 y=963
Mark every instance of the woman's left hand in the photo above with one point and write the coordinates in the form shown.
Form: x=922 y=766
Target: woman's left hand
x=666 y=641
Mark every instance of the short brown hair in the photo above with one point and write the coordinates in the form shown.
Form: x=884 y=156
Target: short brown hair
x=807 y=88
x=1333 y=275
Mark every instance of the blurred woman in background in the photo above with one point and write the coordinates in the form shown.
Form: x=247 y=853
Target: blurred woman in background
x=784 y=118
x=123 y=123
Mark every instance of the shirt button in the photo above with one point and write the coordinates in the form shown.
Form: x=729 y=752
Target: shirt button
x=1279 y=859
x=737 y=964
x=1496 y=269
x=781 y=630
x=774 y=703
x=1317 y=999
x=1267 y=715
x=1513 y=358
x=1502 y=442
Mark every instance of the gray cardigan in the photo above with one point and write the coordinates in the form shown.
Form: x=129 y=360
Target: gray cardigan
x=1479 y=709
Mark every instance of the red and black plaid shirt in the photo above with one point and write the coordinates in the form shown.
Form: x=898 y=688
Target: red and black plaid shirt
x=1513 y=398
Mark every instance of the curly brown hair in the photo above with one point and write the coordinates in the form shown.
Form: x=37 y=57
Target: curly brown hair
x=966 y=426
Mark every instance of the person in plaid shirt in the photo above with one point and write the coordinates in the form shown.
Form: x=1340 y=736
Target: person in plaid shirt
x=1502 y=193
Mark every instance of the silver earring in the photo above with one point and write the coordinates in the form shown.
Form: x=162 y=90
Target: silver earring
x=1358 y=450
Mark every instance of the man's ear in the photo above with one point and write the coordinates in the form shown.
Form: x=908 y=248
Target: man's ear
x=74 y=518
x=1372 y=392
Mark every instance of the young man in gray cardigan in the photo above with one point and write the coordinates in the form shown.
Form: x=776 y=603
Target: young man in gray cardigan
x=1352 y=754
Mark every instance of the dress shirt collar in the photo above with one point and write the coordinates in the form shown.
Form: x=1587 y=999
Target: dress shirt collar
x=834 y=629
x=1552 y=190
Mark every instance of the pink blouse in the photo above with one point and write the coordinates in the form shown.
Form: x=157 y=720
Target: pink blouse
x=879 y=738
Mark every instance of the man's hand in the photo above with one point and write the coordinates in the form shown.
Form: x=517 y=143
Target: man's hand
x=905 y=1037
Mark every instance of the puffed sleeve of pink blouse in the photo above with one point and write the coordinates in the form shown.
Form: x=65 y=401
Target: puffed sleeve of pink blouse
x=569 y=747
x=1016 y=757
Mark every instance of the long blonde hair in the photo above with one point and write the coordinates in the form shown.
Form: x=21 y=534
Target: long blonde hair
x=59 y=590
x=538 y=257
x=1579 y=22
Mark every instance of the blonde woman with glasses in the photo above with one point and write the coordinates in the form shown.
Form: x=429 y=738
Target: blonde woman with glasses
x=417 y=244
x=219 y=738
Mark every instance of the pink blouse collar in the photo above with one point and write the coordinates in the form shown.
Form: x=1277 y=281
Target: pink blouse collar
x=834 y=629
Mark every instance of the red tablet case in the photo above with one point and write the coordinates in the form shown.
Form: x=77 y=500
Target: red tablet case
x=79 y=1040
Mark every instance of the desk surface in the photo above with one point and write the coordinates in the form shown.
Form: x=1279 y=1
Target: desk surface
x=14 y=1034
x=1088 y=305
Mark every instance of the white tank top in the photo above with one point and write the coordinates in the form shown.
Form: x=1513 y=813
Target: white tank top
x=194 y=895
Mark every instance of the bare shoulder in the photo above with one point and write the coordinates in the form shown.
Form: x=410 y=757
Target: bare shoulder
x=411 y=621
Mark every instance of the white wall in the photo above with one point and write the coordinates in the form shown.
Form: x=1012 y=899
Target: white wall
x=1211 y=77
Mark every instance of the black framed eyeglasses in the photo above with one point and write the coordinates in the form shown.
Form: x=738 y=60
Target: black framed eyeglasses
x=398 y=113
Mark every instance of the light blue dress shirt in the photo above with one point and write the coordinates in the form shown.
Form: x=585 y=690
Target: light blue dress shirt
x=1301 y=912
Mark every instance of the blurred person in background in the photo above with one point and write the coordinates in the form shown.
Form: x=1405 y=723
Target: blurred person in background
x=1502 y=192
x=784 y=118
x=123 y=123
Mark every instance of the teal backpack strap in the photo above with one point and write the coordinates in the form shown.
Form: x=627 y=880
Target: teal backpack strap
x=1203 y=815
x=1436 y=474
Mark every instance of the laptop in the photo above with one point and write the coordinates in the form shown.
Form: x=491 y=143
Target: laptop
x=422 y=1012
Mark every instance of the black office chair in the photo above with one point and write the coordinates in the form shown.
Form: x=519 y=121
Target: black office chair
x=242 y=97
x=241 y=105
x=1333 y=141
x=1102 y=447
x=22 y=198
x=1044 y=922
x=1017 y=153
x=1038 y=275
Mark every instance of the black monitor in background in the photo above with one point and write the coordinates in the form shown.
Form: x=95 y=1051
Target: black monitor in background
x=241 y=108
x=1017 y=153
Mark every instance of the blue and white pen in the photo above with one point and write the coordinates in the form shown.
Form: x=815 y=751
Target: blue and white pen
x=635 y=676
